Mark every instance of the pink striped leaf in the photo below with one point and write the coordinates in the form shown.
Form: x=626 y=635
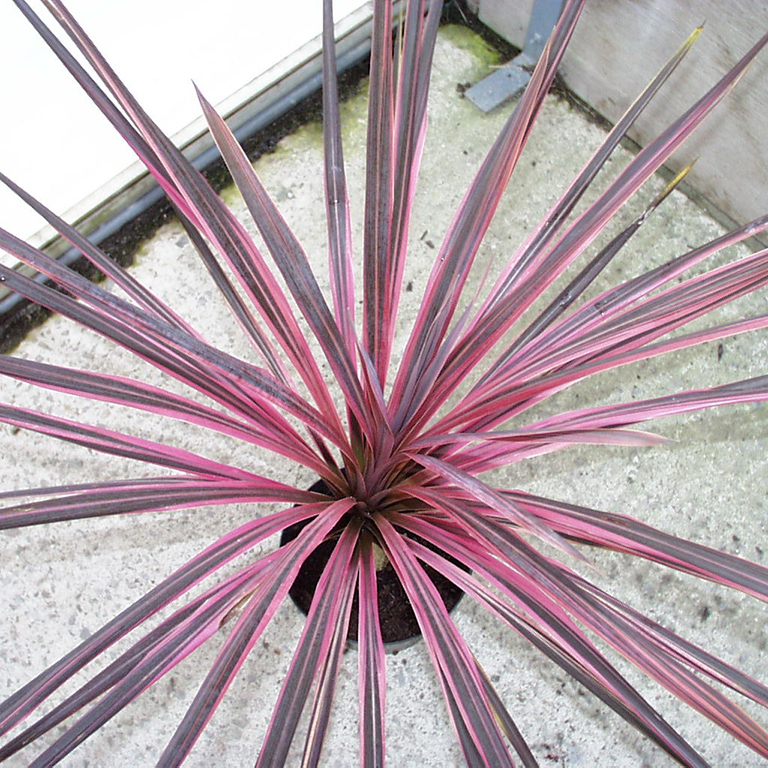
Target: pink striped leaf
x=491 y=498
x=99 y=259
x=54 y=490
x=626 y=534
x=667 y=648
x=551 y=350
x=282 y=438
x=372 y=665
x=198 y=202
x=673 y=308
x=329 y=674
x=625 y=437
x=474 y=719
x=555 y=218
x=26 y=699
x=508 y=403
x=378 y=185
x=118 y=499
x=418 y=37
x=652 y=659
x=507 y=724
x=622 y=414
x=550 y=632
x=688 y=653
x=460 y=246
x=541 y=589
x=150 y=159
x=466 y=355
x=255 y=617
x=523 y=290
x=319 y=634
x=598 y=310
x=292 y=262
x=340 y=257
x=146 y=661
x=612 y=626
x=118 y=444
x=191 y=361
x=471 y=752
x=576 y=287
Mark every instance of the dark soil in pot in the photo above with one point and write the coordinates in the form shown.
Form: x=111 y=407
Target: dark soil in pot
x=399 y=627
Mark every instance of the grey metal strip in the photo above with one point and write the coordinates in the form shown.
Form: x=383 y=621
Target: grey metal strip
x=508 y=81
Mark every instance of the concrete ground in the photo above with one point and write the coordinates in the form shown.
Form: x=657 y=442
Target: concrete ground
x=60 y=583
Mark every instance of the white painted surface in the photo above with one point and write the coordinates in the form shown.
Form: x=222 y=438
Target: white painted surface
x=56 y=144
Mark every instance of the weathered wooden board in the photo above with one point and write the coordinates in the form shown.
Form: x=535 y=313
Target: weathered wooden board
x=620 y=44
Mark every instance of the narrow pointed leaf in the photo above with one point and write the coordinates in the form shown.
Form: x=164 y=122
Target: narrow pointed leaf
x=316 y=641
x=249 y=627
x=291 y=261
x=477 y=726
x=371 y=661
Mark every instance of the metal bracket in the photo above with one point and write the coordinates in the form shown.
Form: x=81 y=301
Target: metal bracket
x=510 y=80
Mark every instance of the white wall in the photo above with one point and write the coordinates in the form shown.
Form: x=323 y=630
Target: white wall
x=57 y=145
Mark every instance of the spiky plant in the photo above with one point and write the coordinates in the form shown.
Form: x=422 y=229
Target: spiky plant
x=403 y=450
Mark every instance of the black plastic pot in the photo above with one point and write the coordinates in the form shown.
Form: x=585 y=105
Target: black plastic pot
x=399 y=627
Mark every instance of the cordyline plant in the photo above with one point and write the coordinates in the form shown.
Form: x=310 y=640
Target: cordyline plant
x=404 y=458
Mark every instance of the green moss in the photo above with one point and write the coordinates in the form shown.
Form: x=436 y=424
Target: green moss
x=231 y=196
x=354 y=108
x=353 y=112
x=309 y=136
x=466 y=39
